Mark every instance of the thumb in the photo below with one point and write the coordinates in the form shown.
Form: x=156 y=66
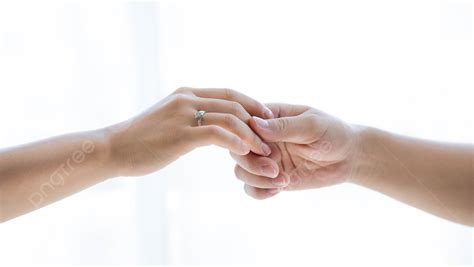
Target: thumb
x=302 y=129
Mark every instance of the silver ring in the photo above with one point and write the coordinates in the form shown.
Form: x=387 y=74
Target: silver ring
x=199 y=116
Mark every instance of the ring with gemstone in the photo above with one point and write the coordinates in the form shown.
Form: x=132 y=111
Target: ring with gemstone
x=199 y=116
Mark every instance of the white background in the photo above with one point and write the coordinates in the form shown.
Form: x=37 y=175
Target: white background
x=404 y=66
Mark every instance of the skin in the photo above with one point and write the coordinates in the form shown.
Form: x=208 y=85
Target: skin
x=307 y=149
x=311 y=149
x=37 y=174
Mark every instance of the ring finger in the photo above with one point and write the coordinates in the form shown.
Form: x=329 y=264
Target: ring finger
x=222 y=106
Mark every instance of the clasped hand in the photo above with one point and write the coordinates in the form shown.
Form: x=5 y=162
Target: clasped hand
x=276 y=146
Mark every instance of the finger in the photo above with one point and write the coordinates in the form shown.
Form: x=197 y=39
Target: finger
x=215 y=135
x=262 y=166
x=254 y=107
x=260 y=193
x=238 y=127
x=282 y=180
x=286 y=110
x=222 y=106
x=301 y=129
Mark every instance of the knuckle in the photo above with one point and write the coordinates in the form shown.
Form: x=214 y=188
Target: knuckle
x=213 y=131
x=235 y=142
x=282 y=124
x=239 y=110
x=256 y=139
x=250 y=191
x=313 y=124
x=230 y=121
x=236 y=107
x=255 y=193
x=182 y=90
x=180 y=99
x=229 y=93
x=238 y=172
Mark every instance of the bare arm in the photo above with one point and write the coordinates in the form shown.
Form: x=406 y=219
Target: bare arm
x=37 y=174
x=435 y=177
x=311 y=149
x=34 y=175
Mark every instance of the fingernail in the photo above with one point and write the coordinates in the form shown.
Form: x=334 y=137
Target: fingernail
x=273 y=191
x=261 y=122
x=281 y=181
x=268 y=170
x=268 y=114
x=266 y=149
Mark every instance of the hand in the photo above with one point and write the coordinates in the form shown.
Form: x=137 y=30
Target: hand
x=310 y=149
x=167 y=130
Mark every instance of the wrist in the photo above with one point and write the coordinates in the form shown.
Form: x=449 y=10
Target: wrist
x=366 y=161
x=104 y=151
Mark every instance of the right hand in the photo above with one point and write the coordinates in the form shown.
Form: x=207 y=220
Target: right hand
x=168 y=129
x=310 y=149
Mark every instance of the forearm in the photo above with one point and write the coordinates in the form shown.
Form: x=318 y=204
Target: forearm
x=34 y=175
x=37 y=174
x=435 y=177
